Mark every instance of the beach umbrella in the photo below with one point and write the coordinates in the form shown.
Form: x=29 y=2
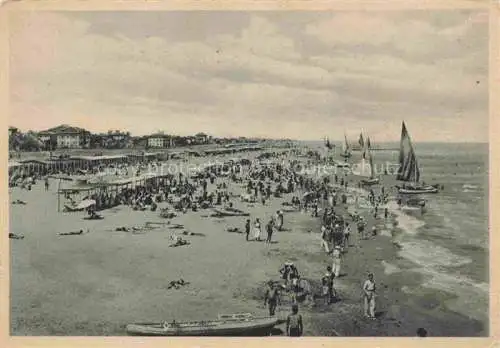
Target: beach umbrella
x=85 y=204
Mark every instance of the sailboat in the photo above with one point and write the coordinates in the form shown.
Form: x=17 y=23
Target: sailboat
x=408 y=168
x=328 y=145
x=346 y=153
x=367 y=157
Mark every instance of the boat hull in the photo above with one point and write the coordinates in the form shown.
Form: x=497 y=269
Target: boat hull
x=415 y=191
x=251 y=327
x=369 y=182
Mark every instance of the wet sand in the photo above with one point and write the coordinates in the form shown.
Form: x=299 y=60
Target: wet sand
x=96 y=283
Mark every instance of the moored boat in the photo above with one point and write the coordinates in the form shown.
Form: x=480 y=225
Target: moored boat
x=224 y=326
x=418 y=189
x=408 y=168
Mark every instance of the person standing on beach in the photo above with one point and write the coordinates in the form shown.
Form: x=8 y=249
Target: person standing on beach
x=337 y=261
x=271 y=298
x=324 y=238
x=294 y=326
x=247 y=229
x=369 y=296
x=269 y=229
x=280 y=218
x=46 y=183
x=347 y=233
x=361 y=228
x=256 y=230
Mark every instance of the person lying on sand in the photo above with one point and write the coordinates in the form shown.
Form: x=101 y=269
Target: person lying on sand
x=234 y=230
x=15 y=236
x=179 y=241
x=73 y=233
x=18 y=201
x=131 y=229
x=187 y=233
x=177 y=284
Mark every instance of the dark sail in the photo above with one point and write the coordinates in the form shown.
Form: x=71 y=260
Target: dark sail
x=361 y=141
x=328 y=144
x=408 y=165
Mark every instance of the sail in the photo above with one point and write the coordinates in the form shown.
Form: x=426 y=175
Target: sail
x=327 y=143
x=365 y=148
x=365 y=166
x=361 y=141
x=345 y=147
x=408 y=165
x=370 y=161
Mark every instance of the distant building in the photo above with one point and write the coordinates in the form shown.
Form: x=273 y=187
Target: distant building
x=159 y=140
x=114 y=140
x=65 y=137
x=201 y=138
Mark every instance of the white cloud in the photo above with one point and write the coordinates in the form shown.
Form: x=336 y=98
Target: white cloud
x=255 y=81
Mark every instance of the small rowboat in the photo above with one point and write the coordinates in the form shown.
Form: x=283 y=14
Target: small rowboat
x=418 y=190
x=226 y=325
x=369 y=182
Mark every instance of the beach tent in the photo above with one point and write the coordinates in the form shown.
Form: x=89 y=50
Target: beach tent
x=86 y=203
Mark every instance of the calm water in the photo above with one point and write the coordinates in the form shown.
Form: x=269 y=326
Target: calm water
x=449 y=243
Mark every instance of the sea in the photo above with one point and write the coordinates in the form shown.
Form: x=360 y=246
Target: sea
x=449 y=243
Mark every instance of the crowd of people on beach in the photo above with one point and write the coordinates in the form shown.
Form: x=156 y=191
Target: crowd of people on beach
x=272 y=176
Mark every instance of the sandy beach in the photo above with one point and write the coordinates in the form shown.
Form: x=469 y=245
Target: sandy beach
x=98 y=282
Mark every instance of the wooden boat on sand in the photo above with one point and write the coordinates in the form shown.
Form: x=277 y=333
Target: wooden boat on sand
x=226 y=325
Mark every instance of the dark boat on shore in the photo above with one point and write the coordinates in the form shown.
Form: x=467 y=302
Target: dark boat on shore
x=225 y=325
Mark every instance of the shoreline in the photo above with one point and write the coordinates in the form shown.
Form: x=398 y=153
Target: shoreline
x=114 y=271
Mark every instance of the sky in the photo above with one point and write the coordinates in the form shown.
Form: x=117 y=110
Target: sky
x=300 y=75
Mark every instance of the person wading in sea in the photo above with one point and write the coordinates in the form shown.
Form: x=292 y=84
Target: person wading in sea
x=294 y=326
